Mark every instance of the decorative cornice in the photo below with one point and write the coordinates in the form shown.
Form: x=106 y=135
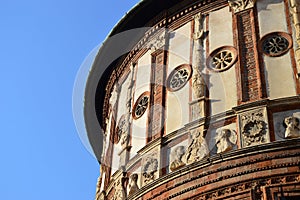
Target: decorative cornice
x=241 y=5
x=281 y=146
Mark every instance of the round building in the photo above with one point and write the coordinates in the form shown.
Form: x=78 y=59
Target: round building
x=198 y=100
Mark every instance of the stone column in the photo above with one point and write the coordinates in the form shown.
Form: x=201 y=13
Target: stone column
x=295 y=12
x=124 y=137
x=198 y=105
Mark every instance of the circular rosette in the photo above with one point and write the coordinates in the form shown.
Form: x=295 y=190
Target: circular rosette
x=222 y=58
x=141 y=105
x=275 y=44
x=179 y=77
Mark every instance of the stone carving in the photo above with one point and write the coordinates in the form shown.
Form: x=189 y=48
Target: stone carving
x=222 y=58
x=120 y=193
x=98 y=188
x=122 y=132
x=132 y=185
x=197 y=149
x=114 y=95
x=276 y=43
x=141 y=106
x=158 y=42
x=176 y=156
x=225 y=140
x=102 y=196
x=295 y=11
x=199 y=31
x=149 y=169
x=292 y=127
x=198 y=83
x=254 y=128
x=240 y=5
x=179 y=77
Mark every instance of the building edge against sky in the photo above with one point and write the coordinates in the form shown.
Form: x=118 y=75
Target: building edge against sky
x=198 y=100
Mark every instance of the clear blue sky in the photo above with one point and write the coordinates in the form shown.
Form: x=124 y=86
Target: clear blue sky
x=42 y=45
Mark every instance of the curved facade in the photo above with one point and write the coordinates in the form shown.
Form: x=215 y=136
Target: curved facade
x=201 y=101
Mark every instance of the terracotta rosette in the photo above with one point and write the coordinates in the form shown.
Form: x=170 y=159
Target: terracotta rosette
x=141 y=105
x=222 y=59
x=179 y=76
x=275 y=44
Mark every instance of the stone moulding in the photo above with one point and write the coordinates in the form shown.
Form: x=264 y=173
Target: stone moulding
x=282 y=146
x=270 y=104
x=241 y=5
x=254 y=127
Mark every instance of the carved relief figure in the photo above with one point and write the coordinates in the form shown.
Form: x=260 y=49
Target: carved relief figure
x=292 y=127
x=197 y=149
x=114 y=95
x=122 y=132
x=254 y=128
x=132 y=185
x=225 y=140
x=102 y=196
x=120 y=193
x=199 y=31
x=240 y=5
x=197 y=80
x=158 y=42
x=149 y=169
x=198 y=85
x=177 y=155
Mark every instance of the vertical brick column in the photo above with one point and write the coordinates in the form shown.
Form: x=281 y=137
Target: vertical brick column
x=157 y=99
x=251 y=81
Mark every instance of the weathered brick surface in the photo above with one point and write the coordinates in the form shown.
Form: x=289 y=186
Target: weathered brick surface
x=157 y=91
x=232 y=179
x=248 y=62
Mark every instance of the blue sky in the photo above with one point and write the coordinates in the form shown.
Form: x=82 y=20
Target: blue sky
x=42 y=45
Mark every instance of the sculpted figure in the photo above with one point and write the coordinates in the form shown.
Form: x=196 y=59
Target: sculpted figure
x=132 y=185
x=197 y=149
x=177 y=158
x=149 y=169
x=295 y=11
x=292 y=127
x=198 y=85
x=225 y=140
x=120 y=193
x=239 y=5
x=122 y=132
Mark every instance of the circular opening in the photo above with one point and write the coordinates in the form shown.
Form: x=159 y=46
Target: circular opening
x=141 y=105
x=179 y=77
x=275 y=44
x=222 y=58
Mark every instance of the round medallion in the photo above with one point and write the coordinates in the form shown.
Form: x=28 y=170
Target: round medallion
x=141 y=105
x=179 y=77
x=276 y=44
x=222 y=59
